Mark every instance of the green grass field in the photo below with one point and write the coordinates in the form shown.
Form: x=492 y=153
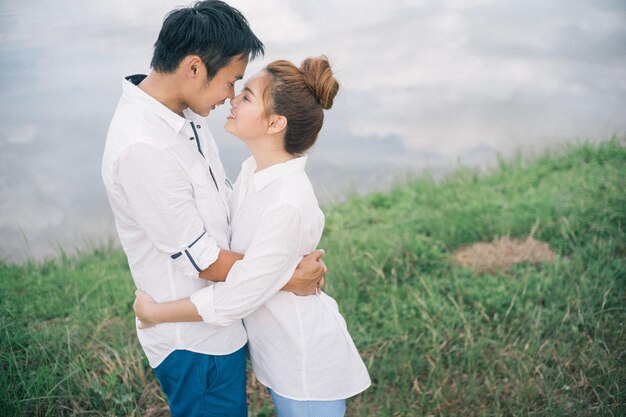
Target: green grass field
x=438 y=339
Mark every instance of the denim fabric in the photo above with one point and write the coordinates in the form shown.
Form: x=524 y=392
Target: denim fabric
x=284 y=407
x=203 y=385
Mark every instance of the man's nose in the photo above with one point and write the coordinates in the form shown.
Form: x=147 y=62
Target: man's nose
x=231 y=93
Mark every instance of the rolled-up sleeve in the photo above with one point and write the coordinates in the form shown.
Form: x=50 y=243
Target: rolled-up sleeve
x=160 y=195
x=267 y=266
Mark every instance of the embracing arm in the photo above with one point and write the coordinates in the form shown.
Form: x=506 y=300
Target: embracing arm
x=149 y=312
x=267 y=267
x=218 y=270
x=307 y=278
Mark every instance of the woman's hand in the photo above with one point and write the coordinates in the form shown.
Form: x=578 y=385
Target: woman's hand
x=144 y=306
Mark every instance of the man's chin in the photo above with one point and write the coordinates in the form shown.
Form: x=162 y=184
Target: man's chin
x=210 y=110
x=204 y=112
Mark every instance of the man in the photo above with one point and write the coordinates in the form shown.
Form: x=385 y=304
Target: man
x=168 y=192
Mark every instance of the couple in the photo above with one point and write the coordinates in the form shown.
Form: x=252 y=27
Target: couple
x=211 y=256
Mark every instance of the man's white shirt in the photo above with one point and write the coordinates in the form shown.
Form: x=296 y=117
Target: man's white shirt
x=169 y=195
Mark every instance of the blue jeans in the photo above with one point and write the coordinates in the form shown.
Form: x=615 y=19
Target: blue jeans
x=204 y=385
x=285 y=407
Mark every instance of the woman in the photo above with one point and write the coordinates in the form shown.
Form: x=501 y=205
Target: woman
x=299 y=346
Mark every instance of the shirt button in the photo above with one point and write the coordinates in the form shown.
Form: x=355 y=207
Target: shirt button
x=198 y=126
x=191 y=138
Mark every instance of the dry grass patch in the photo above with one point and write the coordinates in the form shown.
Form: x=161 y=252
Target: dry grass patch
x=500 y=254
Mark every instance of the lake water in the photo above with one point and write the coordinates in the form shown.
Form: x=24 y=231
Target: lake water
x=425 y=85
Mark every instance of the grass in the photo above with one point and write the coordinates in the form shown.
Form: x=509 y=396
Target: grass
x=438 y=339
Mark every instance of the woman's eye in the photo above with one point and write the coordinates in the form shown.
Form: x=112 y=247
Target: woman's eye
x=246 y=98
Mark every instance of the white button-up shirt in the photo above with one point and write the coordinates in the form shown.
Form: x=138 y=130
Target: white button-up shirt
x=299 y=346
x=167 y=189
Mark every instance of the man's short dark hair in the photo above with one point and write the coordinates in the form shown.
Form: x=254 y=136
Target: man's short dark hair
x=211 y=29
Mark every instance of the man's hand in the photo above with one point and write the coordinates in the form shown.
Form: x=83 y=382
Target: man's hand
x=143 y=306
x=308 y=276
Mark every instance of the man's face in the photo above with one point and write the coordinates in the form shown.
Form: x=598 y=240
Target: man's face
x=206 y=95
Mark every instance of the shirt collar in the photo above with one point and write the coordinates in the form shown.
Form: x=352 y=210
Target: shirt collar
x=268 y=175
x=142 y=99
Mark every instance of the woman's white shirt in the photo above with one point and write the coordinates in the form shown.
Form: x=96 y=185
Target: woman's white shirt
x=299 y=346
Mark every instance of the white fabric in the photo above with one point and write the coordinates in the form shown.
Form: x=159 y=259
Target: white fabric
x=165 y=203
x=299 y=346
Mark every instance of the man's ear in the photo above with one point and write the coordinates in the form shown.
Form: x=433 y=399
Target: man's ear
x=276 y=124
x=191 y=65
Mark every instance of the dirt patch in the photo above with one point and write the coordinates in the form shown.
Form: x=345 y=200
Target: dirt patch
x=502 y=253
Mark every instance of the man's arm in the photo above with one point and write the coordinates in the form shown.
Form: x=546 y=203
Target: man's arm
x=218 y=270
x=306 y=279
x=160 y=196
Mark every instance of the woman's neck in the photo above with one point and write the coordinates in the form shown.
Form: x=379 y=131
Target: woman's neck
x=267 y=154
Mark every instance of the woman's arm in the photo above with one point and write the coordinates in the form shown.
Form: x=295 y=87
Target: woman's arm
x=150 y=313
x=267 y=266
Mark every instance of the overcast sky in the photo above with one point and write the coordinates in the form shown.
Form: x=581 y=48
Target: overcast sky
x=425 y=84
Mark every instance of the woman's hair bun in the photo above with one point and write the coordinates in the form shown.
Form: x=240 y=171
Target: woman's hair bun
x=320 y=78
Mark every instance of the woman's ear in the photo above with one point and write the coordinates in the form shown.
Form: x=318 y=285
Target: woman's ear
x=277 y=124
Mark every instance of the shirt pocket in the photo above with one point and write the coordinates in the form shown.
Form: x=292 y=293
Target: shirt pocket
x=198 y=180
x=197 y=174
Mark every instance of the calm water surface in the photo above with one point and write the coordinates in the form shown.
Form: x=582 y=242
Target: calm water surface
x=425 y=85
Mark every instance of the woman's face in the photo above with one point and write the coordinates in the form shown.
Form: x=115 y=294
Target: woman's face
x=247 y=119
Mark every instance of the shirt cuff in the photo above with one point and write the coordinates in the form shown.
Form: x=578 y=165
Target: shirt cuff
x=196 y=257
x=203 y=300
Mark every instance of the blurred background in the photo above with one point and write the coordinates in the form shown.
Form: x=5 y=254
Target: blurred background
x=425 y=86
